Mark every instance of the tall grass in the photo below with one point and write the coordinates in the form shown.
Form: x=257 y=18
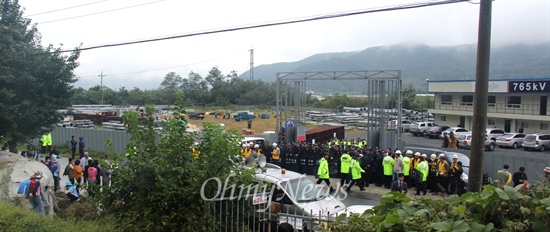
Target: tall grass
x=14 y=218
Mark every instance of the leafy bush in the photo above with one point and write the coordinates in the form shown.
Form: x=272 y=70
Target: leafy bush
x=494 y=209
x=13 y=218
x=158 y=186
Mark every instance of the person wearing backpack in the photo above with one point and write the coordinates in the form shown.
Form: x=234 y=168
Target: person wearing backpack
x=35 y=193
x=23 y=194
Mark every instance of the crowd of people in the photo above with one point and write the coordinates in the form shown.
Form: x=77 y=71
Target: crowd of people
x=83 y=173
x=356 y=164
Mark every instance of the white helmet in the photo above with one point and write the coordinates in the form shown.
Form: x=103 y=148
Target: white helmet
x=244 y=145
x=196 y=144
x=398 y=152
x=424 y=155
x=274 y=144
x=433 y=156
x=256 y=146
x=417 y=154
x=441 y=156
x=455 y=156
x=409 y=152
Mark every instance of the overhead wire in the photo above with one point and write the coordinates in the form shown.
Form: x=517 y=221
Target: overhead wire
x=67 y=8
x=307 y=19
x=101 y=12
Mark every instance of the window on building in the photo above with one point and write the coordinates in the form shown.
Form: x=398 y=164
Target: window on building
x=446 y=99
x=467 y=100
x=544 y=126
x=491 y=101
x=443 y=118
x=524 y=124
x=491 y=122
x=514 y=101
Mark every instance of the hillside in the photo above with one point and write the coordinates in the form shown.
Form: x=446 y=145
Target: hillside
x=417 y=63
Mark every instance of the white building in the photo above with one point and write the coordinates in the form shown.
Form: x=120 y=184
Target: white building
x=512 y=104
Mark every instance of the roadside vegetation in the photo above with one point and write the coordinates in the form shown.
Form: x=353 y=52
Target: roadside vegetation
x=494 y=209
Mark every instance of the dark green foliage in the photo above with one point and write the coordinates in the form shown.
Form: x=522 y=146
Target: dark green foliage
x=494 y=209
x=35 y=81
x=158 y=186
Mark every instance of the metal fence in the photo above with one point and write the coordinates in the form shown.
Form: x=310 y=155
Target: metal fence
x=253 y=214
x=534 y=164
x=93 y=138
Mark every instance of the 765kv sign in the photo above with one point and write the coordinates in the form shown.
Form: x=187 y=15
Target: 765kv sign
x=529 y=86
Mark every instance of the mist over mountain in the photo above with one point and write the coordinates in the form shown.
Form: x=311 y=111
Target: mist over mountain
x=417 y=63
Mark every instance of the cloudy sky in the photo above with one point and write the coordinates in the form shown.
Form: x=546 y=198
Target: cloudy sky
x=95 y=22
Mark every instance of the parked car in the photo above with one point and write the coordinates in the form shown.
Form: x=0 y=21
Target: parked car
x=514 y=140
x=405 y=125
x=195 y=115
x=244 y=116
x=537 y=141
x=465 y=142
x=493 y=133
x=455 y=130
x=421 y=128
x=436 y=131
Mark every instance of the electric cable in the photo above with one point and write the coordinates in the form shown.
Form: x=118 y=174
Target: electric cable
x=101 y=12
x=315 y=18
x=72 y=7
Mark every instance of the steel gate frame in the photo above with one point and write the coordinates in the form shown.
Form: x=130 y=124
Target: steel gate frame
x=291 y=87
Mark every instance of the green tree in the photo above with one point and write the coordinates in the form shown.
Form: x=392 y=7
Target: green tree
x=158 y=187
x=170 y=86
x=35 y=81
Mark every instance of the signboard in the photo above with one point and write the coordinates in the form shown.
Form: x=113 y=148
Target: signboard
x=259 y=199
x=494 y=86
x=529 y=86
x=301 y=138
x=297 y=223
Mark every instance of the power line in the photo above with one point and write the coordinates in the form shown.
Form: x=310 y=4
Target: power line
x=72 y=7
x=101 y=12
x=315 y=18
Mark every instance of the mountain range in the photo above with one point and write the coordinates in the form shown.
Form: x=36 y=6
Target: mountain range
x=417 y=63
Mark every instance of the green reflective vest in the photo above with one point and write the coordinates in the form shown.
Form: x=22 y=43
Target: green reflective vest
x=49 y=139
x=406 y=165
x=423 y=167
x=322 y=172
x=345 y=163
x=356 y=170
x=388 y=165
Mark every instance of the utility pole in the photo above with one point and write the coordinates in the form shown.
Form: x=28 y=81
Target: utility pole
x=251 y=64
x=101 y=86
x=480 y=101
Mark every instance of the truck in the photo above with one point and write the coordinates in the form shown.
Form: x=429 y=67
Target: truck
x=244 y=116
x=421 y=128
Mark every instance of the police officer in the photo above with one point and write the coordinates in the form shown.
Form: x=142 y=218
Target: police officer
x=407 y=166
x=423 y=168
x=345 y=166
x=323 y=172
x=356 y=171
x=387 y=164
x=442 y=175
